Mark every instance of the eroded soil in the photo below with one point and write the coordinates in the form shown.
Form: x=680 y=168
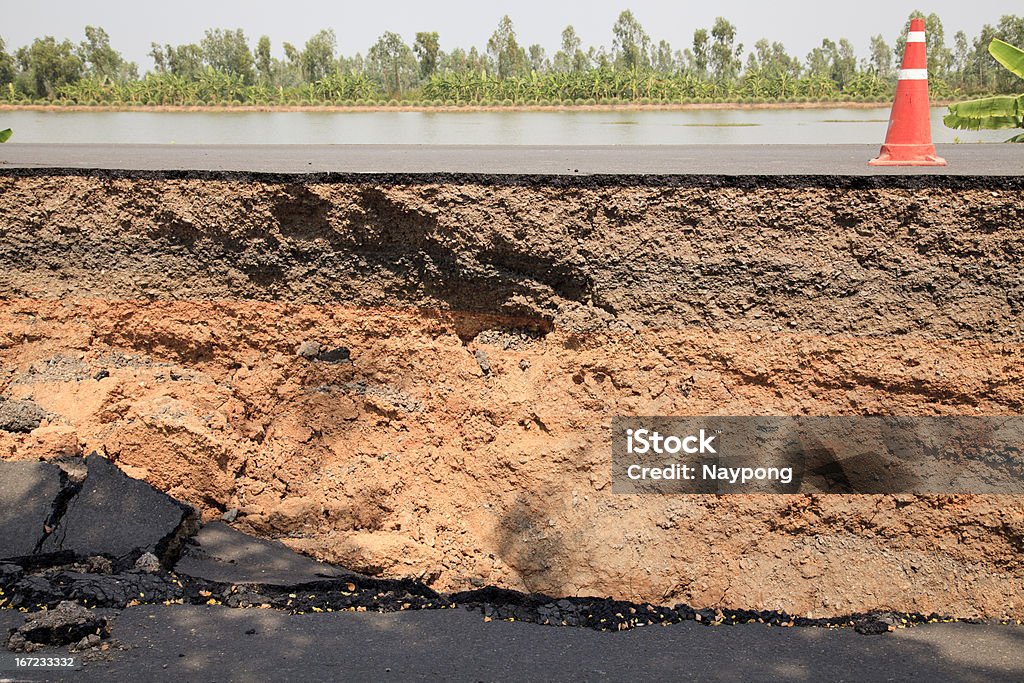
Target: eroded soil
x=492 y=328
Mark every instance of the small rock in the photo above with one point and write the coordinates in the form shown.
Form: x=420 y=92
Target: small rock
x=336 y=355
x=90 y=641
x=308 y=349
x=97 y=564
x=311 y=350
x=251 y=632
x=20 y=416
x=524 y=365
x=230 y=516
x=148 y=562
x=102 y=374
x=481 y=359
x=18 y=643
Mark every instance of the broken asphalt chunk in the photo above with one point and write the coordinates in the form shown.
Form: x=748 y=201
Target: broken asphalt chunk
x=30 y=490
x=65 y=624
x=121 y=518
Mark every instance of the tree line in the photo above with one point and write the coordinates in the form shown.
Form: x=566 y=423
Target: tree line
x=225 y=68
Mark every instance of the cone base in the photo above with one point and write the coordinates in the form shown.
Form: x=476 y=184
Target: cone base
x=907 y=155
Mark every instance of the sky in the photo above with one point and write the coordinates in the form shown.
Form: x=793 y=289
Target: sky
x=799 y=25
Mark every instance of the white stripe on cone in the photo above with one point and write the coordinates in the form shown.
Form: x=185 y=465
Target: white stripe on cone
x=915 y=36
x=913 y=74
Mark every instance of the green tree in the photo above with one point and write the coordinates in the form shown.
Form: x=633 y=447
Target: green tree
x=292 y=54
x=984 y=74
x=761 y=56
x=475 y=60
x=289 y=72
x=455 y=61
x=881 y=57
x=461 y=62
x=725 y=55
x=504 y=51
x=159 y=55
x=961 y=54
x=820 y=59
x=538 y=59
x=318 y=56
x=354 y=65
x=101 y=60
x=264 y=62
x=844 y=65
x=599 y=58
x=835 y=61
x=48 y=65
x=701 y=54
x=664 y=60
x=772 y=58
x=393 y=62
x=185 y=61
x=227 y=52
x=427 y=47
x=571 y=58
x=631 y=46
x=7 y=72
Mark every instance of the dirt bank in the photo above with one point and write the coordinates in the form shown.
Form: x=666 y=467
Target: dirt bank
x=474 y=337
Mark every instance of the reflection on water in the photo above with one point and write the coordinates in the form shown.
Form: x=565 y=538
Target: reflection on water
x=764 y=126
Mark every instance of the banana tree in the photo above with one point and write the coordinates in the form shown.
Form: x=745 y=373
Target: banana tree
x=993 y=113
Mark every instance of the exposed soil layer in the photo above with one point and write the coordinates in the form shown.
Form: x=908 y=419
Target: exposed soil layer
x=415 y=378
x=728 y=255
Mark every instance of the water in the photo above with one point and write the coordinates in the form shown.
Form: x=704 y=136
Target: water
x=757 y=126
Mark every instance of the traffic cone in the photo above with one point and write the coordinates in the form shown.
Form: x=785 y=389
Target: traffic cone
x=909 y=139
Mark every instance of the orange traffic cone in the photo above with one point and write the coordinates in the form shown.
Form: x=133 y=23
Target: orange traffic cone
x=909 y=140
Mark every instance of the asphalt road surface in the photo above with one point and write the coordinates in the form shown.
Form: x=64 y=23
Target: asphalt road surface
x=985 y=160
x=188 y=643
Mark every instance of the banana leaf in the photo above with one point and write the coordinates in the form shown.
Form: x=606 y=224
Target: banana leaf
x=5 y=135
x=1009 y=56
x=993 y=113
x=990 y=113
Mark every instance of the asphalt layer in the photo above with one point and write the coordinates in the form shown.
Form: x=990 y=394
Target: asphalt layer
x=187 y=643
x=730 y=160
